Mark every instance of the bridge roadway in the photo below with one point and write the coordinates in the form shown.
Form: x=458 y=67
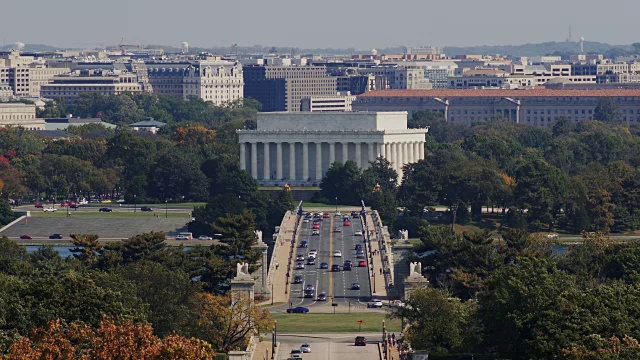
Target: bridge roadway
x=337 y=285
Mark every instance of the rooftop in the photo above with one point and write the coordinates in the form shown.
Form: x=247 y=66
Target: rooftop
x=450 y=93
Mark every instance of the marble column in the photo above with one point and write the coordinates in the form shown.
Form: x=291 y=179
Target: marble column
x=243 y=156
x=421 y=150
x=372 y=154
x=267 y=163
x=345 y=152
x=279 y=161
x=410 y=153
x=386 y=150
x=305 y=161
x=254 y=160
x=318 y=161
x=416 y=151
x=332 y=153
x=405 y=153
x=292 y=161
x=379 y=148
x=397 y=150
x=359 y=154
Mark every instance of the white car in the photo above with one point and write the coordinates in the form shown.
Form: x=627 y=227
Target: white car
x=337 y=253
x=338 y=214
x=315 y=232
x=374 y=304
x=306 y=221
x=305 y=348
x=181 y=237
x=49 y=209
x=357 y=233
x=204 y=237
x=313 y=253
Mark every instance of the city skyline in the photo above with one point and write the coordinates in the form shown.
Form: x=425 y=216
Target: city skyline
x=72 y=24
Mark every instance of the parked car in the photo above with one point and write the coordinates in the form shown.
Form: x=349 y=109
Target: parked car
x=105 y=209
x=56 y=236
x=38 y=205
x=361 y=341
x=374 y=304
x=181 y=237
x=146 y=208
x=49 y=209
x=298 y=310
x=26 y=237
x=204 y=237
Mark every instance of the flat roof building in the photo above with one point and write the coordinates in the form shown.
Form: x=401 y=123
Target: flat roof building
x=298 y=148
x=538 y=107
x=19 y=114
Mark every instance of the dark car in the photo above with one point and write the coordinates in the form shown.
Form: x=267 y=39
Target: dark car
x=27 y=237
x=322 y=297
x=38 y=205
x=308 y=293
x=347 y=266
x=324 y=265
x=355 y=286
x=361 y=341
x=56 y=236
x=105 y=210
x=358 y=247
x=335 y=268
x=298 y=310
x=304 y=243
x=146 y=208
x=297 y=279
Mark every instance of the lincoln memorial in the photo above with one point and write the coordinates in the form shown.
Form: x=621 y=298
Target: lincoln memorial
x=298 y=148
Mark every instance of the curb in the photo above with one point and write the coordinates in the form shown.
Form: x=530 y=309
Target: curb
x=12 y=223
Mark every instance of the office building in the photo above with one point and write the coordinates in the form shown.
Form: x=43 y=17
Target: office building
x=398 y=78
x=19 y=114
x=212 y=79
x=339 y=103
x=539 y=107
x=282 y=88
x=25 y=75
x=298 y=148
x=103 y=82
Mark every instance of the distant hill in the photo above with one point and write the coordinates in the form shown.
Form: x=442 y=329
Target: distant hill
x=546 y=48
x=31 y=47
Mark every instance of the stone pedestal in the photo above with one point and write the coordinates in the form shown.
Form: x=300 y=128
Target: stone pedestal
x=261 y=275
x=243 y=283
x=401 y=251
x=238 y=355
x=415 y=280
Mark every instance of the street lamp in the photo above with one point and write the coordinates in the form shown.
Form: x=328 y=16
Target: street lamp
x=275 y=331
x=165 y=210
x=273 y=341
x=134 y=203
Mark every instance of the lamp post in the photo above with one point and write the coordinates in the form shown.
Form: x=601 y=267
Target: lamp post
x=166 y=215
x=336 y=204
x=134 y=203
x=273 y=341
x=275 y=331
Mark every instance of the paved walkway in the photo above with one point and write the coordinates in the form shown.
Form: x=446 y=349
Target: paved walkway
x=280 y=284
x=380 y=292
x=263 y=351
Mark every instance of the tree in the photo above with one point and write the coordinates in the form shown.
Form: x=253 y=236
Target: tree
x=424 y=118
x=128 y=340
x=342 y=181
x=607 y=111
x=228 y=322
x=439 y=324
x=6 y=213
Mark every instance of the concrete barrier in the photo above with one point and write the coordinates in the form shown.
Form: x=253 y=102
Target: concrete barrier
x=12 y=223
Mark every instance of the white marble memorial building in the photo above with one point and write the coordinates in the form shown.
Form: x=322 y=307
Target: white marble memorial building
x=298 y=148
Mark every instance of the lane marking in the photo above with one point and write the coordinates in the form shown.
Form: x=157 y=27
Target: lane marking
x=330 y=257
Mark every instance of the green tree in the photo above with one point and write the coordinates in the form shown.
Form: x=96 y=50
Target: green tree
x=343 y=181
x=607 y=111
x=6 y=213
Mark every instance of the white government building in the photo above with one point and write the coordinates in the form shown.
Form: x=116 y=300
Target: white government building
x=298 y=148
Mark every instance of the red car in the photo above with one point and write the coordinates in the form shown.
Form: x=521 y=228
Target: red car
x=325 y=215
x=346 y=223
x=64 y=204
x=316 y=226
x=362 y=263
x=38 y=205
x=27 y=237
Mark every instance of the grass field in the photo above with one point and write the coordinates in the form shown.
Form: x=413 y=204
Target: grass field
x=327 y=323
x=171 y=205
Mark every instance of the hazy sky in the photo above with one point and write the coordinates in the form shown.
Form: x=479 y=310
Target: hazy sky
x=309 y=24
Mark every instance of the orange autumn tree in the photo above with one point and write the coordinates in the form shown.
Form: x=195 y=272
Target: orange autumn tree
x=114 y=336
x=194 y=135
x=229 y=327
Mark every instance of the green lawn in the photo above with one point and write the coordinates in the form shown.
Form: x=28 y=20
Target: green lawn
x=63 y=213
x=327 y=323
x=171 y=205
x=306 y=188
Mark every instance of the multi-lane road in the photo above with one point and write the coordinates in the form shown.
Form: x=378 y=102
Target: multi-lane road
x=336 y=284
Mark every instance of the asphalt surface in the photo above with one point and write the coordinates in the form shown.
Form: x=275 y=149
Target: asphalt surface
x=337 y=285
x=334 y=346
